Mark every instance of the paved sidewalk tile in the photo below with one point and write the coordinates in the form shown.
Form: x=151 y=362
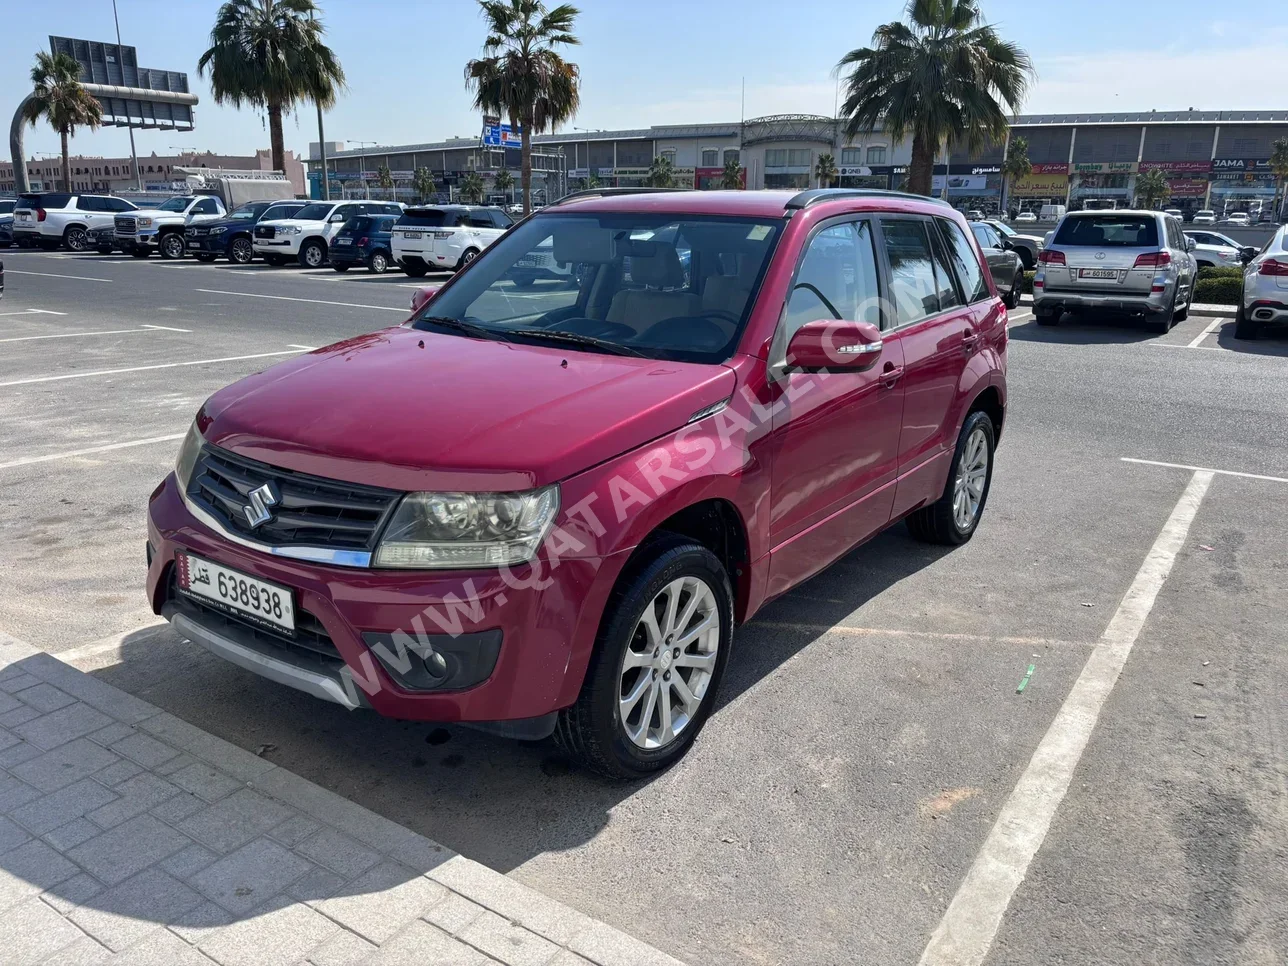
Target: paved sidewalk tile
x=11 y=835
x=32 y=932
x=338 y=852
x=137 y=795
x=62 y=766
x=124 y=914
x=342 y=949
x=382 y=901
x=72 y=834
x=280 y=934
x=161 y=948
x=76 y=891
x=250 y=876
x=425 y=945
x=44 y=698
x=144 y=749
x=60 y=807
x=510 y=943
x=236 y=820
x=122 y=851
x=61 y=726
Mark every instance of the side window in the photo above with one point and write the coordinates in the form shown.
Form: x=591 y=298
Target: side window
x=480 y=219
x=962 y=255
x=837 y=279
x=981 y=235
x=89 y=204
x=206 y=206
x=501 y=219
x=912 y=270
x=945 y=284
x=119 y=204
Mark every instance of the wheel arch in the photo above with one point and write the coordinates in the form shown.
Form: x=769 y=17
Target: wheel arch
x=989 y=400
x=716 y=524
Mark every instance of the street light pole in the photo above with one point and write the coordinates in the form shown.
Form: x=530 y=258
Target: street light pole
x=362 y=165
x=134 y=156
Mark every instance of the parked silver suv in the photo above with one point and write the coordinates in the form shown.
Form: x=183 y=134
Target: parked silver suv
x=1123 y=261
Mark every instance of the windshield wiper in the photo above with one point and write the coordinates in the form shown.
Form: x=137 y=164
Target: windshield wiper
x=466 y=328
x=573 y=338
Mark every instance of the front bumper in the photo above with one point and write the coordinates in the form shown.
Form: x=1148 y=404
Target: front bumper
x=544 y=635
x=206 y=244
x=290 y=245
x=141 y=239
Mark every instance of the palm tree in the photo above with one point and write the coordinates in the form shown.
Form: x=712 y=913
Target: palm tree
x=1279 y=165
x=270 y=54
x=522 y=76
x=661 y=173
x=1152 y=189
x=504 y=181
x=422 y=182
x=731 y=177
x=1016 y=165
x=384 y=177
x=471 y=188
x=58 y=97
x=944 y=77
x=825 y=170
x=592 y=182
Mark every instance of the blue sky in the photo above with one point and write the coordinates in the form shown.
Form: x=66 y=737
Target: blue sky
x=670 y=61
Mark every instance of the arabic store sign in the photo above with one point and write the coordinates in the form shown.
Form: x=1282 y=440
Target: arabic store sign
x=1058 y=167
x=1241 y=164
x=1040 y=186
x=1110 y=167
x=1179 y=167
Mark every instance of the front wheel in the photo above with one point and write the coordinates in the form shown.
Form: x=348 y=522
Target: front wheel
x=657 y=664
x=952 y=518
x=241 y=251
x=172 y=245
x=312 y=255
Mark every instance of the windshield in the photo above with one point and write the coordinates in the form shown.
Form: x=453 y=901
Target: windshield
x=176 y=204
x=317 y=212
x=665 y=286
x=280 y=211
x=1002 y=227
x=1109 y=231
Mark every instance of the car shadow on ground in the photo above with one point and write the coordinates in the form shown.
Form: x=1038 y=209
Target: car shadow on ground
x=1272 y=340
x=498 y=801
x=1086 y=330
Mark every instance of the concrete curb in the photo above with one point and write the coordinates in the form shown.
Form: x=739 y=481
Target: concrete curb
x=476 y=910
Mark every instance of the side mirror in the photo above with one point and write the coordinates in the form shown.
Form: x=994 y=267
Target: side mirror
x=337 y=219
x=423 y=295
x=834 y=344
x=1190 y=244
x=1248 y=253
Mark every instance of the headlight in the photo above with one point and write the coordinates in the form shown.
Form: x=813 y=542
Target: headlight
x=289 y=230
x=145 y=223
x=188 y=453
x=219 y=230
x=467 y=530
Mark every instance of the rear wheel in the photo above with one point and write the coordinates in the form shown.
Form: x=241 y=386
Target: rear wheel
x=1012 y=299
x=74 y=238
x=657 y=664
x=1244 y=327
x=469 y=256
x=172 y=245
x=378 y=263
x=241 y=251
x=1046 y=316
x=313 y=254
x=1162 y=322
x=952 y=518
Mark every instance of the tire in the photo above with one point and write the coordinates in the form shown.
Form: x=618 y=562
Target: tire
x=1161 y=324
x=1046 y=316
x=206 y=256
x=1244 y=327
x=140 y=252
x=241 y=251
x=466 y=257
x=378 y=263
x=312 y=254
x=1012 y=300
x=593 y=730
x=940 y=522
x=340 y=268
x=171 y=245
x=416 y=271
x=74 y=238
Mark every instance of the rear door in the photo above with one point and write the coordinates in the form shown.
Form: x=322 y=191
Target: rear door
x=836 y=434
x=938 y=329
x=999 y=261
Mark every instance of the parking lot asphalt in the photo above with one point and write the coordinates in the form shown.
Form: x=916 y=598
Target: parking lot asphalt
x=869 y=734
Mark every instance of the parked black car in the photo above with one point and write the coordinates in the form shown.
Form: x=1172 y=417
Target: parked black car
x=364 y=240
x=101 y=239
x=231 y=236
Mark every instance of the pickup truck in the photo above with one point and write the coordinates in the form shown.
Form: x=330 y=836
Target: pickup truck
x=161 y=229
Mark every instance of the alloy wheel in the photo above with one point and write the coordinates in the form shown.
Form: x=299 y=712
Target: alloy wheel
x=968 y=486
x=242 y=252
x=669 y=662
x=172 y=245
x=75 y=239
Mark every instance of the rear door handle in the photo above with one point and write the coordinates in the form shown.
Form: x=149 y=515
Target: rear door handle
x=969 y=339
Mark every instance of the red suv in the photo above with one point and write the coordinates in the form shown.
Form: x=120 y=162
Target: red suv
x=540 y=507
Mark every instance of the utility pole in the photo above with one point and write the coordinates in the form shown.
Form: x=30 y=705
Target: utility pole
x=326 y=180
x=138 y=178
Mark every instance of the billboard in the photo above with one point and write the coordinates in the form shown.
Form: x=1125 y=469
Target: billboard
x=116 y=65
x=498 y=135
x=1040 y=186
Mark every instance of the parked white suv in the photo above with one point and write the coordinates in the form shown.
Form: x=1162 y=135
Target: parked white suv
x=52 y=218
x=445 y=237
x=1204 y=216
x=1265 y=288
x=161 y=228
x=307 y=236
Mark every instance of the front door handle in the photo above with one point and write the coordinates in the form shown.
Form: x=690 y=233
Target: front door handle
x=890 y=375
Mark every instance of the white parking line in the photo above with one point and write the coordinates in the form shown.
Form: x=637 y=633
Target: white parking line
x=1194 y=344
x=306 y=348
x=966 y=932
x=1177 y=345
x=79 y=278
x=106 y=448
x=31 y=312
x=141 y=330
x=1207 y=469
x=164 y=365
x=286 y=298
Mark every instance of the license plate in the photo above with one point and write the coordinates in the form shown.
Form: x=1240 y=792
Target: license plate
x=411 y=234
x=1097 y=273
x=248 y=597
x=194 y=244
x=343 y=239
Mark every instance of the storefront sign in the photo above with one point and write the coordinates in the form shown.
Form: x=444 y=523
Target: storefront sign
x=986 y=169
x=960 y=182
x=855 y=171
x=1177 y=167
x=402 y=175
x=1241 y=164
x=1187 y=187
x=1040 y=186
x=1106 y=167
x=713 y=177
x=579 y=172
x=1257 y=177
x=1056 y=167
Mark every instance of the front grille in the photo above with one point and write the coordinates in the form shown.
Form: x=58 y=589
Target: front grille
x=311 y=511
x=265 y=231
x=310 y=634
x=196 y=232
x=126 y=226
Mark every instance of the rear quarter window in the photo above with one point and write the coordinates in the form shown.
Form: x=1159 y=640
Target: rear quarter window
x=423 y=218
x=1109 y=231
x=45 y=199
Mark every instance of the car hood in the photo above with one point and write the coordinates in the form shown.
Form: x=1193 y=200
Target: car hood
x=415 y=410
x=1035 y=239
x=230 y=223
x=303 y=225
x=151 y=213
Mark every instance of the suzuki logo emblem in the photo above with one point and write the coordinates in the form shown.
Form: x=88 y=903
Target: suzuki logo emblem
x=261 y=498
x=1100 y=254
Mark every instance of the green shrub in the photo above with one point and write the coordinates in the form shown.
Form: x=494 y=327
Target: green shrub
x=1220 y=272
x=1219 y=291
x=1027 y=287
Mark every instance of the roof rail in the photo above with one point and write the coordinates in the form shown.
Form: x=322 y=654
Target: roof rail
x=814 y=195
x=609 y=193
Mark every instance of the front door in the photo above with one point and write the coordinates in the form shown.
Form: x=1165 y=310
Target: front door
x=835 y=434
x=937 y=332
